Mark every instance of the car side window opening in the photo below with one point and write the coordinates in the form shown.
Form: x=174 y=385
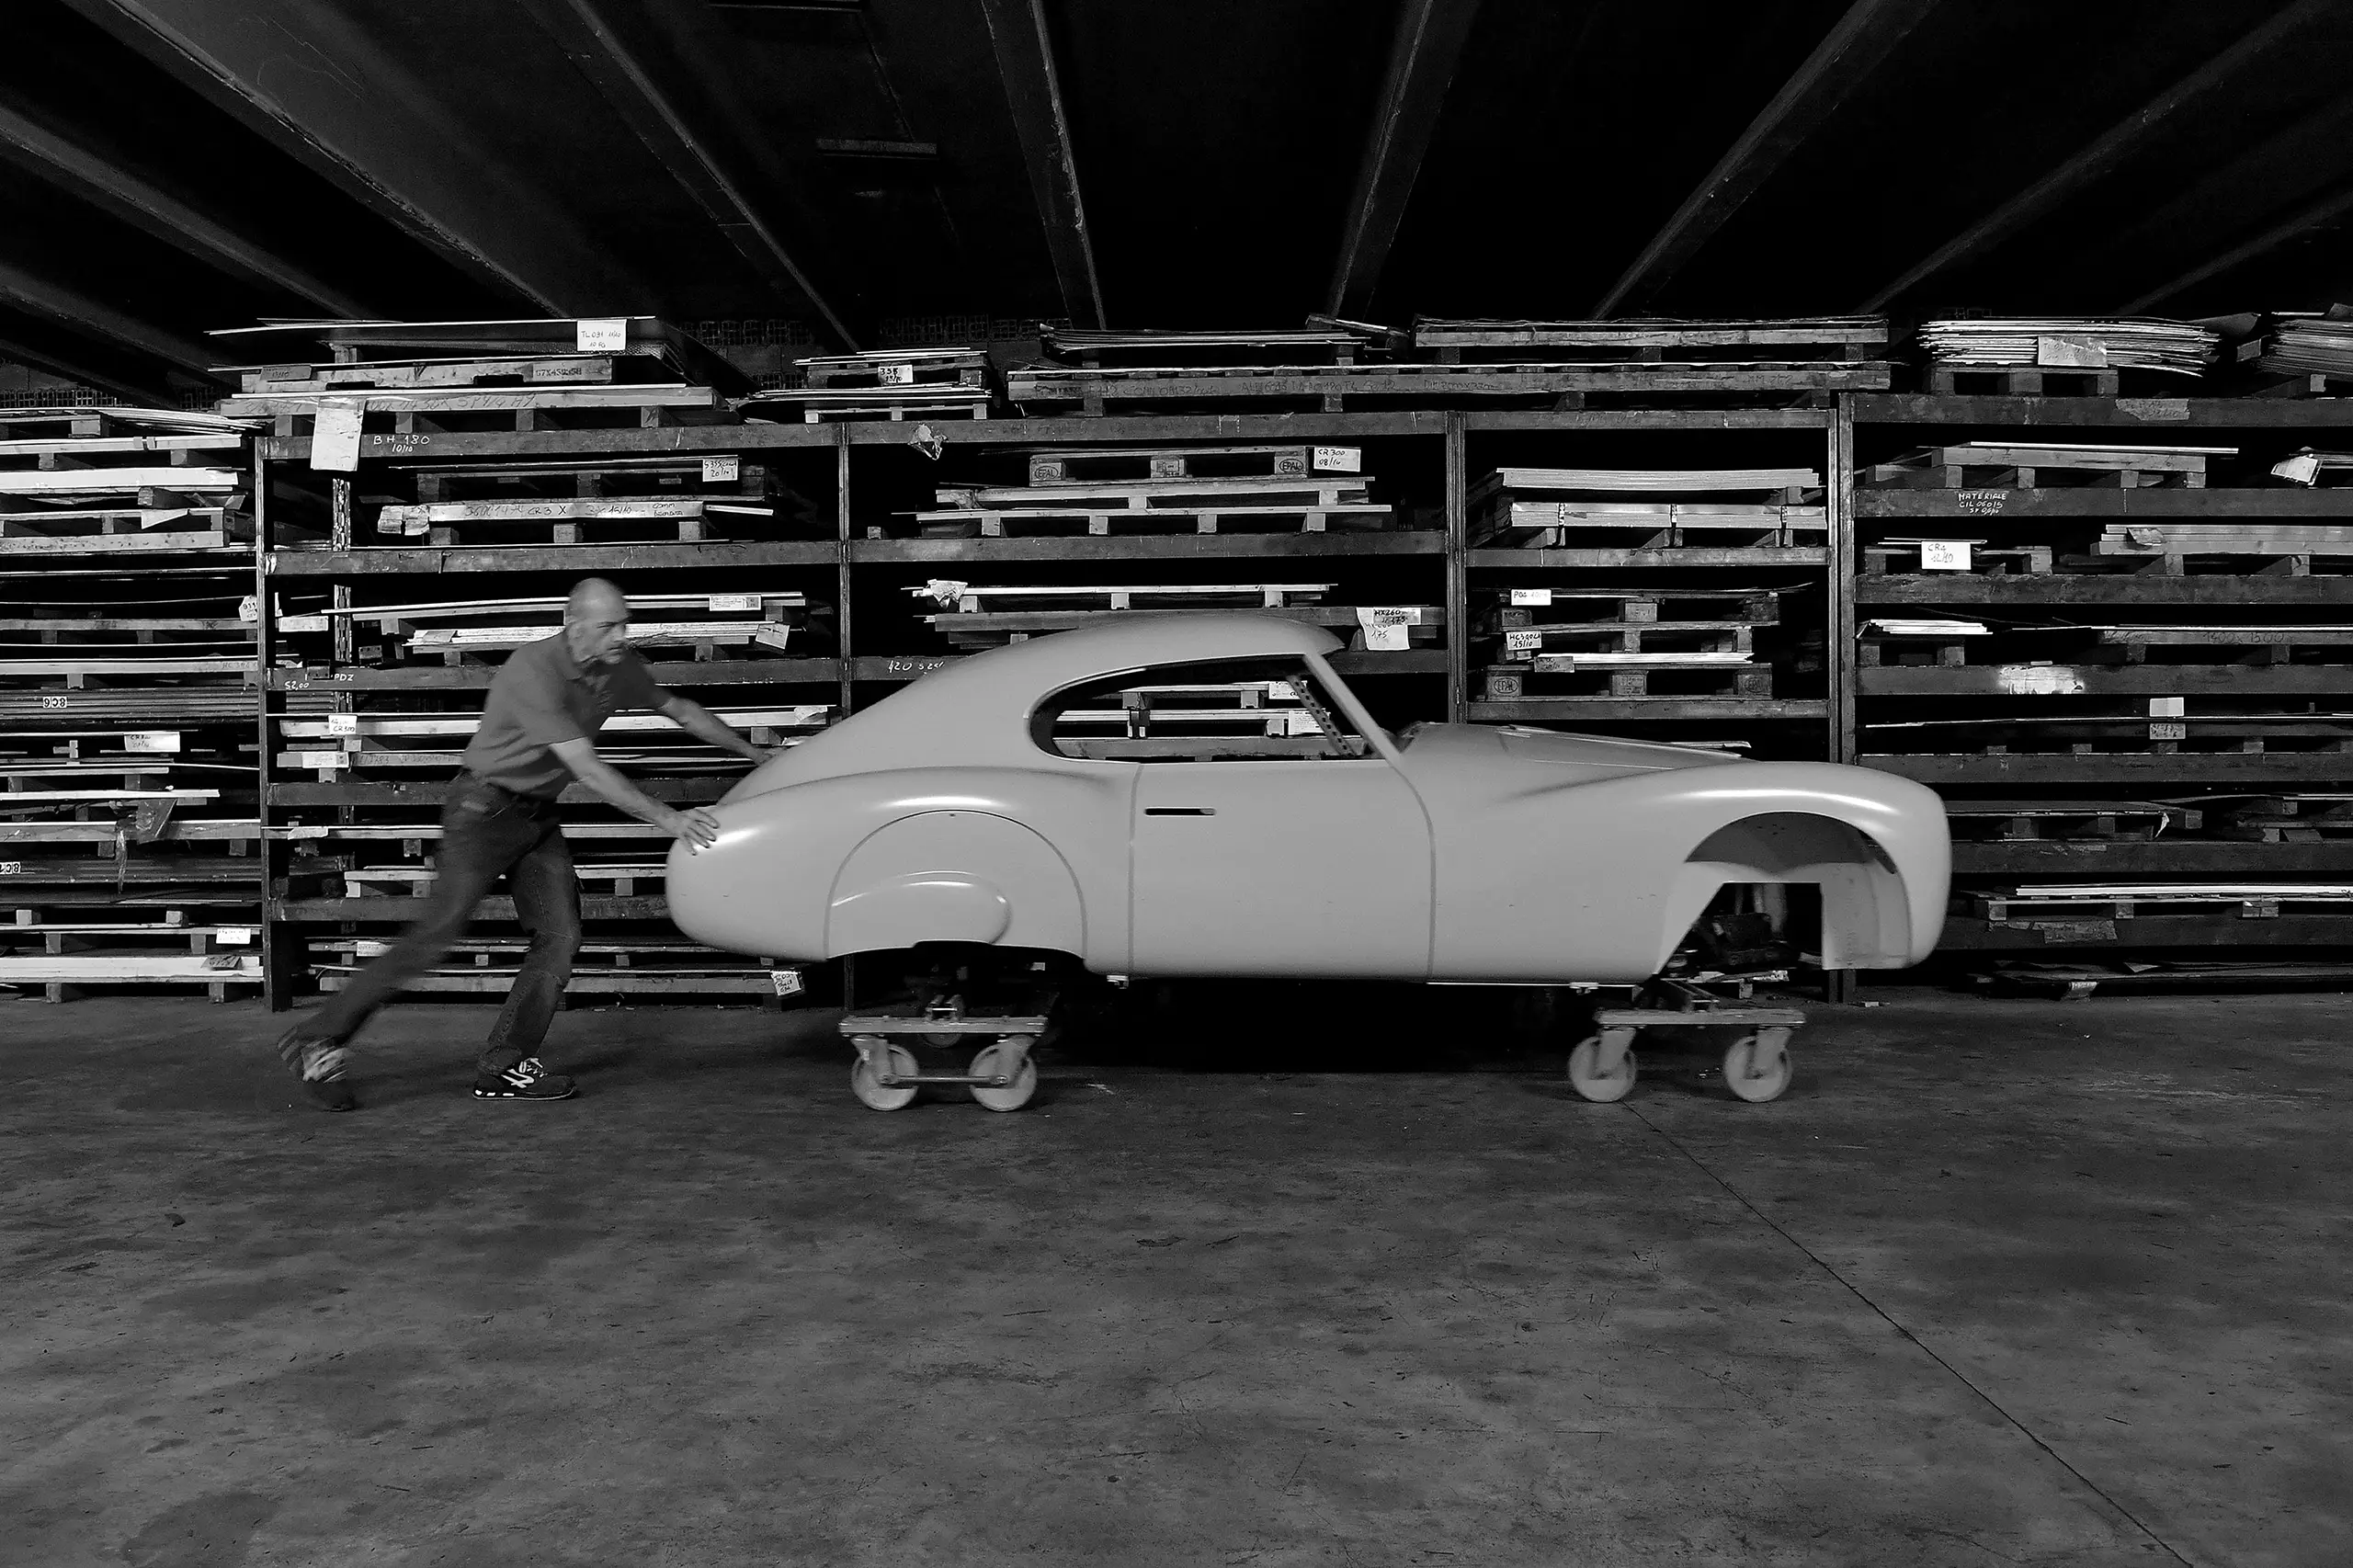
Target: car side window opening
x=1232 y=711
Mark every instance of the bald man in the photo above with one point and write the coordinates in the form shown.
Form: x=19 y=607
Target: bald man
x=539 y=733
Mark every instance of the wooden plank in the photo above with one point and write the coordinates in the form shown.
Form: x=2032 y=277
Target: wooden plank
x=1558 y=711
x=1972 y=934
x=2140 y=414
x=1684 y=556
x=401 y=909
x=1075 y=386
x=460 y=400
x=2105 y=680
x=669 y=676
x=2165 y=856
x=393 y=561
x=1425 y=541
x=2155 y=505
x=2103 y=588
x=430 y=793
x=2155 y=771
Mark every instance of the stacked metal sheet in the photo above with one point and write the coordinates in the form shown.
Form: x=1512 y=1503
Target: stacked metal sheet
x=2072 y=342
x=2314 y=346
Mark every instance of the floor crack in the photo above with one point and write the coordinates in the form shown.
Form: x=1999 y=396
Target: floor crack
x=1914 y=1340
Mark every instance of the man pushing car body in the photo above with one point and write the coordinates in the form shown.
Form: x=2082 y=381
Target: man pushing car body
x=539 y=732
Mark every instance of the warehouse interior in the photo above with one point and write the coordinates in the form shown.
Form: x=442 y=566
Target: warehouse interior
x=1926 y=417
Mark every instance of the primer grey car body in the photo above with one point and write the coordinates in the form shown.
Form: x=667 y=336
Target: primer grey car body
x=1468 y=853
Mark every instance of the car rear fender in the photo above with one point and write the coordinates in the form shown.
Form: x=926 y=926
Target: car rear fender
x=955 y=876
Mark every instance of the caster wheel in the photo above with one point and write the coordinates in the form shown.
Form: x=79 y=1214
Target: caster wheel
x=1585 y=1075
x=1012 y=1095
x=1742 y=1078
x=866 y=1080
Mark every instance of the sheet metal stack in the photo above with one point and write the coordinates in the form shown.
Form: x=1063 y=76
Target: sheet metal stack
x=2024 y=347
x=893 y=383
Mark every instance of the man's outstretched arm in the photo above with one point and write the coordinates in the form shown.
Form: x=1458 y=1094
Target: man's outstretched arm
x=705 y=725
x=695 y=827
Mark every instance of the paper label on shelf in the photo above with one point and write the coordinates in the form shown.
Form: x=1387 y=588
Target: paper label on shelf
x=787 y=982
x=234 y=935
x=335 y=434
x=1517 y=642
x=2071 y=353
x=2302 y=468
x=12 y=868
x=303 y=623
x=2168 y=706
x=1301 y=724
x=2172 y=729
x=716 y=470
x=343 y=724
x=1944 y=555
x=1530 y=597
x=895 y=375
x=600 y=335
x=1384 y=626
x=1981 y=502
x=2039 y=680
x=718 y=602
x=1281 y=691
x=370 y=947
x=1338 y=460
x=152 y=741
x=249 y=608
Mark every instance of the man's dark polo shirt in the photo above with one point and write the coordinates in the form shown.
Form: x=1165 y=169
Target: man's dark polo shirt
x=540 y=696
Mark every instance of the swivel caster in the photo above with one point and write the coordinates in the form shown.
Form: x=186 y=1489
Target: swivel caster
x=1758 y=1066
x=877 y=1059
x=1007 y=1059
x=1597 y=1078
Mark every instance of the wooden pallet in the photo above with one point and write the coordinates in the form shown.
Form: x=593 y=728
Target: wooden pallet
x=819 y=405
x=1334 y=388
x=1964 y=381
x=2026 y=466
x=1634 y=525
x=1823 y=339
x=978 y=598
x=2124 y=901
x=1518 y=609
x=1891 y=556
x=1304 y=348
x=2298 y=818
x=2076 y=982
x=1661 y=678
x=64 y=978
x=1086 y=465
x=894 y=369
x=2106 y=821
x=390 y=414
x=612 y=521
x=419 y=375
x=1067 y=522
x=990 y=630
x=83 y=422
x=1533 y=644
x=104 y=453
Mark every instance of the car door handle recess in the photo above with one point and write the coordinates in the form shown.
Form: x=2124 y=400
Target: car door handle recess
x=1180 y=811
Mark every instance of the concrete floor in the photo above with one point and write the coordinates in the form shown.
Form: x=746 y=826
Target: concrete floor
x=1997 y=1282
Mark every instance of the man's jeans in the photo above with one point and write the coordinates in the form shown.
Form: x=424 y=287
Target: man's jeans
x=485 y=831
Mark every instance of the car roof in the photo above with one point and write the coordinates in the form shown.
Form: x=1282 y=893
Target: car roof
x=975 y=712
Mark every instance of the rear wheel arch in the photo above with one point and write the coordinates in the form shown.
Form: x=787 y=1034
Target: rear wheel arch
x=955 y=876
x=1865 y=915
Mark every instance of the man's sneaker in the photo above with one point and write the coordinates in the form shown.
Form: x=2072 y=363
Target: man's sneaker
x=527 y=1080
x=319 y=1064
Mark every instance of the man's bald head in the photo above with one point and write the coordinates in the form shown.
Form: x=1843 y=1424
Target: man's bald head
x=594 y=598
x=596 y=621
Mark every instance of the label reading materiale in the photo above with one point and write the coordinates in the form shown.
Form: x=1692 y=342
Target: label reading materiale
x=787 y=982
x=1944 y=555
x=1531 y=596
x=335 y=434
x=1981 y=503
x=1338 y=460
x=727 y=469
x=600 y=335
x=718 y=602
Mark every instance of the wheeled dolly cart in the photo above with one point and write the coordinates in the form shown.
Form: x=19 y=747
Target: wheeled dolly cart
x=1756 y=1065
x=1003 y=1075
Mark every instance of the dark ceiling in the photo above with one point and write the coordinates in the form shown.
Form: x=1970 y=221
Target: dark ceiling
x=170 y=166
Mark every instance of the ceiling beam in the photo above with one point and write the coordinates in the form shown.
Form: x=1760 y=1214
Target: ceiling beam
x=2313 y=215
x=306 y=79
x=1851 y=50
x=1423 y=55
x=73 y=370
x=1025 y=61
x=115 y=190
x=704 y=151
x=92 y=318
x=2119 y=142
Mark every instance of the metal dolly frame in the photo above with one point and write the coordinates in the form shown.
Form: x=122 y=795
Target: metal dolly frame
x=887 y=1076
x=1757 y=1065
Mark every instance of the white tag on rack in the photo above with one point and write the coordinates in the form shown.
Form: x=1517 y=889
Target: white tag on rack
x=343 y=724
x=1944 y=555
x=720 y=602
x=1522 y=641
x=1531 y=596
x=234 y=935
x=2168 y=706
x=787 y=982
x=1338 y=459
x=716 y=470
x=600 y=335
x=152 y=741
x=249 y=608
x=335 y=434
x=2301 y=469
x=301 y=623
x=1384 y=626
x=895 y=375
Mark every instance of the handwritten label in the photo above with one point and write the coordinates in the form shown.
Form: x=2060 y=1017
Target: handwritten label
x=717 y=470
x=343 y=724
x=405 y=441
x=152 y=741
x=1522 y=641
x=912 y=666
x=1385 y=626
x=2039 y=680
x=787 y=982
x=234 y=935
x=249 y=608
x=1338 y=460
x=600 y=335
x=1981 y=502
x=896 y=375
x=1944 y=555
x=718 y=602
x=335 y=434
x=2171 y=730
x=1530 y=597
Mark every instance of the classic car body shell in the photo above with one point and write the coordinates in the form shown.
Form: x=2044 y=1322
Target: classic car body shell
x=1456 y=853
